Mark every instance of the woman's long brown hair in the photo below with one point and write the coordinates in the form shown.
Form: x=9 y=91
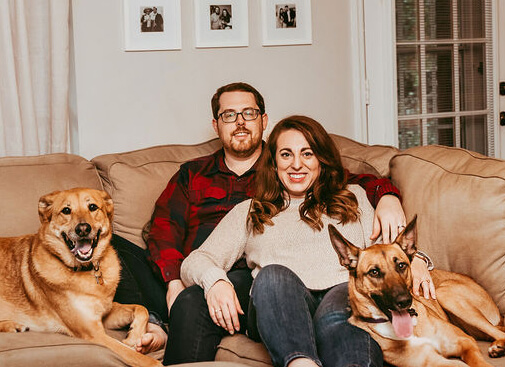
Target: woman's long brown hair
x=328 y=195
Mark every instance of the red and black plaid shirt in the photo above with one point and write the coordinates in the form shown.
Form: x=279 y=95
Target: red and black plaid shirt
x=200 y=195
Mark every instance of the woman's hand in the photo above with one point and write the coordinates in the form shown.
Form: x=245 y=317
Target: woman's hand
x=389 y=219
x=422 y=278
x=224 y=306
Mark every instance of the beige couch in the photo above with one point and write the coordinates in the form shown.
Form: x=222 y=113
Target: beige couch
x=459 y=197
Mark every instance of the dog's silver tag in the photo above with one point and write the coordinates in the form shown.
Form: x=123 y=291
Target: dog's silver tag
x=97 y=274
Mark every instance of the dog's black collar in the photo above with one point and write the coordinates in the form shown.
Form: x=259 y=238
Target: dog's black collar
x=371 y=320
x=96 y=271
x=88 y=267
x=382 y=320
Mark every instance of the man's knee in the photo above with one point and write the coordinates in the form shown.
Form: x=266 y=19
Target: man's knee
x=189 y=301
x=241 y=279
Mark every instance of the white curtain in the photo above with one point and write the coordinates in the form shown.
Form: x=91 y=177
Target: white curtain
x=34 y=76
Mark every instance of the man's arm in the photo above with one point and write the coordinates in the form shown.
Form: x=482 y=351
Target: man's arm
x=168 y=227
x=375 y=187
x=168 y=231
x=389 y=218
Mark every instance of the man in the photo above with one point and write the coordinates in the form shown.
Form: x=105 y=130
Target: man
x=157 y=20
x=215 y=21
x=289 y=16
x=200 y=195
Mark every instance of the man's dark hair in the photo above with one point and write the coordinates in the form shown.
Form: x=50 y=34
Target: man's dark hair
x=236 y=87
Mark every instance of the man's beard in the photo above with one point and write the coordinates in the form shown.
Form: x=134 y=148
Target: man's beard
x=244 y=148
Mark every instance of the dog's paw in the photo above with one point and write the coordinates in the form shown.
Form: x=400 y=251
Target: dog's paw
x=8 y=326
x=497 y=349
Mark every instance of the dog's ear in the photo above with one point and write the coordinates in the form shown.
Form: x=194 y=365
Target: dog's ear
x=109 y=205
x=408 y=237
x=347 y=252
x=46 y=207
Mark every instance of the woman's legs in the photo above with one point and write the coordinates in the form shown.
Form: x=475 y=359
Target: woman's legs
x=340 y=343
x=281 y=313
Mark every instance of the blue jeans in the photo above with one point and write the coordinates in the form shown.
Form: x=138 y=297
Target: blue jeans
x=294 y=322
x=192 y=335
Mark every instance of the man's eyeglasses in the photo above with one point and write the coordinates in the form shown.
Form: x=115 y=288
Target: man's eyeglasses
x=248 y=114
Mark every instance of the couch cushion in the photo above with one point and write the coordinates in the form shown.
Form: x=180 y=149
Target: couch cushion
x=25 y=179
x=459 y=197
x=362 y=158
x=239 y=348
x=136 y=179
x=49 y=350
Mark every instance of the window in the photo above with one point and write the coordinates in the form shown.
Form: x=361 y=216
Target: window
x=444 y=60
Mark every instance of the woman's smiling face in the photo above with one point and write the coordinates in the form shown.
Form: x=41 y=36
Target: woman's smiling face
x=297 y=166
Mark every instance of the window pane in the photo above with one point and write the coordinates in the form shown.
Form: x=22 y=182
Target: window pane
x=409 y=134
x=471 y=19
x=406 y=20
x=441 y=131
x=474 y=133
x=472 y=81
x=408 y=81
x=439 y=79
x=437 y=24
x=443 y=72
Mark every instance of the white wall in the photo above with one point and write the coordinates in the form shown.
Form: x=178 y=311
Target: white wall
x=130 y=100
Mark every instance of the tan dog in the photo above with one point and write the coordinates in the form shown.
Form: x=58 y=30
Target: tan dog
x=63 y=278
x=413 y=331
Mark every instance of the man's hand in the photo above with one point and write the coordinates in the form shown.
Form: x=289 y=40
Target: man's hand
x=389 y=219
x=174 y=288
x=422 y=278
x=154 y=339
x=224 y=306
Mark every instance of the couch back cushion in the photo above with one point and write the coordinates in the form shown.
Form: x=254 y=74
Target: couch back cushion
x=459 y=198
x=25 y=179
x=362 y=158
x=136 y=179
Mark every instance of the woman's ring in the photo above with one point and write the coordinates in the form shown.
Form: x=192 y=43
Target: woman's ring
x=401 y=226
x=218 y=310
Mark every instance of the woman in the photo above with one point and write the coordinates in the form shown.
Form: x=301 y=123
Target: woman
x=215 y=21
x=225 y=19
x=280 y=18
x=299 y=301
x=146 y=21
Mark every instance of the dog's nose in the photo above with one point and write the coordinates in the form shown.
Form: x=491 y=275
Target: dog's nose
x=82 y=229
x=403 y=301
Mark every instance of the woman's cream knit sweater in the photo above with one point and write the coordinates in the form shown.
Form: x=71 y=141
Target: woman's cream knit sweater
x=289 y=242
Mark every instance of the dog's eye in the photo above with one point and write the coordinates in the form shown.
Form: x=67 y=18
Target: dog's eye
x=66 y=210
x=402 y=266
x=92 y=207
x=374 y=273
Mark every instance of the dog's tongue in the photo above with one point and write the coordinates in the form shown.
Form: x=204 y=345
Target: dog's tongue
x=84 y=246
x=402 y=323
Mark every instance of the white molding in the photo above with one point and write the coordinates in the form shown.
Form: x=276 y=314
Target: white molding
x=499 y=131
x=380 y=64
x=358 y=71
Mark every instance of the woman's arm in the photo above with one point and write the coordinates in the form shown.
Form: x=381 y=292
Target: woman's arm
x=207 y=266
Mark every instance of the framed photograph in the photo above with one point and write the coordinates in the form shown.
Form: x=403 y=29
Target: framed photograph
x=221 y=23
x=286 y=23
x=152 y=25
